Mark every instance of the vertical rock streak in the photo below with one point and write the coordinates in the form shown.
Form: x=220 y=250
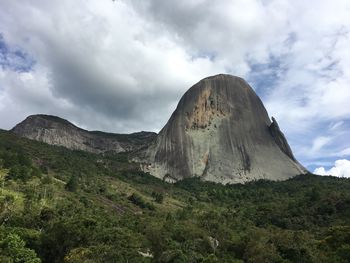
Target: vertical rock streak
x=221 y=132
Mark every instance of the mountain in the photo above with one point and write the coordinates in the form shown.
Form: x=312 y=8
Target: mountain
x=57 y=131
x=221 y=132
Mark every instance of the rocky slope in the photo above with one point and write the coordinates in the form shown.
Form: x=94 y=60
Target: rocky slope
x=221 y=132
x=56 y=131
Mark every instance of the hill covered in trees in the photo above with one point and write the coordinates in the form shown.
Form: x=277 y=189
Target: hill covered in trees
x=59 y=205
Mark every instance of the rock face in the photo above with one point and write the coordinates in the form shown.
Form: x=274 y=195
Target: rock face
x=221 y=132
x=56 y=131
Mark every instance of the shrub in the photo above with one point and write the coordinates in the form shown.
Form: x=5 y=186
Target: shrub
x=158 y=197
x=138 y=200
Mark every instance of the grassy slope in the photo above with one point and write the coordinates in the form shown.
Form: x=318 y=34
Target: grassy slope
x=306 y=219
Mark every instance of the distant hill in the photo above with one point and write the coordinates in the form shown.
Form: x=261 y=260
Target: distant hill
x=57 y=131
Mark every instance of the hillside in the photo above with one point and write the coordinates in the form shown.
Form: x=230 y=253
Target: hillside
x=60 y=205
x=57 y=131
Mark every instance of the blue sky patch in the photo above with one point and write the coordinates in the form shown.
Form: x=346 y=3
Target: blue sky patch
x=13 y=58
x=264 y=76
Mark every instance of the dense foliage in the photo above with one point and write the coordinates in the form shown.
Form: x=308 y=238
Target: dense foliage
x=58 y=205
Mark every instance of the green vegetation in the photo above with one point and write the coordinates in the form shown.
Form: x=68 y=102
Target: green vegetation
x=158 y=197
x=12 y=249
x=138 y=200
x=58 y=205
x=72 y=184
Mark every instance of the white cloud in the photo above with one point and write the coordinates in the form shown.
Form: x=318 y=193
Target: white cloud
x=344 y=152
x=102 y=58
x=335 y=126
x=341 y=169
x=319 y=143
x=122 y=65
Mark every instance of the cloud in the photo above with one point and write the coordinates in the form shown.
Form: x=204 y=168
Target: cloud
x=103 y=59
x=121 y=66
x=13 y=59
x=344 y=152
x=130 y=61
x=341 y=169
x=319 y=143
x=335 y=126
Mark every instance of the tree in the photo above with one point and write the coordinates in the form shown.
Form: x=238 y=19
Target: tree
x=12 y=249
x=72 y=184
x=35 y=172
x=19 y=172
x=138 y=200
x=158 y=197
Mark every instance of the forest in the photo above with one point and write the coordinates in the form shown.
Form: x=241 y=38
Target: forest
x=59 y=205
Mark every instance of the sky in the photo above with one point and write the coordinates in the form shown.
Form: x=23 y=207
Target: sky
x=121 y=66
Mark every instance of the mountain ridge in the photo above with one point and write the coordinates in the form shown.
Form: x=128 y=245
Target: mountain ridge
x=220 y=131
x=58 y=131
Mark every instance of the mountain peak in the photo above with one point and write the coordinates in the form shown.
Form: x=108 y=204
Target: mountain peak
x=223 y=76
x=58 y=131
x=44 y=120
x=220 y=131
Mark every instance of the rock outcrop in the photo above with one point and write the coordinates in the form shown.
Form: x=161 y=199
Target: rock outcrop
x=221 y=132
x=56 y=131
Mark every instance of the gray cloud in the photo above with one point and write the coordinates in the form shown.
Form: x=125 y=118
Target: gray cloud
x=121 y=66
